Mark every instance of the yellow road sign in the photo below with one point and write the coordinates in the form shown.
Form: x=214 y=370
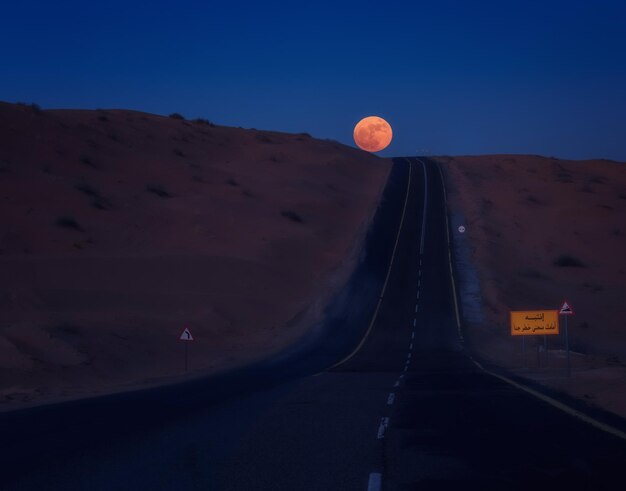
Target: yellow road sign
x=534 y=322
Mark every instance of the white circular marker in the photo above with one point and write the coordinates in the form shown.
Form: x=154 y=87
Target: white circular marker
x=461 y=228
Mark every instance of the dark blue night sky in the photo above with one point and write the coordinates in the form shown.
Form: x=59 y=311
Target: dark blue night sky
x=452 y=77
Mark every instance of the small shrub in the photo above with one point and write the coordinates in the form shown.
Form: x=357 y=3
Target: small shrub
x=566 y=261
x=622 y=195
x=232 y=182
x=292 y=215
x=36 y=108
x=586 y=188
x=196 y=178
x=69 y=223
x=158 y=190
x=597 y=179
x=87 y=161
x=87 y=189
x=533 y=274
x=179 y=152
x=101 y=203
x=565 y=177
x=263 y=138
x=204 y=121
x=177 y=116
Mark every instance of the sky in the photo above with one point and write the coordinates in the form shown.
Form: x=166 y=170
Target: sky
x=451 y=77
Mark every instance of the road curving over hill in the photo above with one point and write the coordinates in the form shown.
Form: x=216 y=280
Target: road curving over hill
x=382 y=395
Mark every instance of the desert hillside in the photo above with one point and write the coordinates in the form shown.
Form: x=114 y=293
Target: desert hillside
x=119 y=228
x=541 y=230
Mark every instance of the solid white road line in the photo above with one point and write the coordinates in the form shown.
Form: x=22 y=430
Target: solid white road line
x=384 y=422
x=382 y=293
x=375 y=481
x=425 y=202
x=454 y=296
x=391 y=398
x=547 y=399
x=557 y=404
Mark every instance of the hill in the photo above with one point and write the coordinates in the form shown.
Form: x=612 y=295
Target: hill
x=119 y=228
x=540 y=231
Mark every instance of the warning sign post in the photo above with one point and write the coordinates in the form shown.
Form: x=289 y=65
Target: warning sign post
x=567 y=310
x=186 y=337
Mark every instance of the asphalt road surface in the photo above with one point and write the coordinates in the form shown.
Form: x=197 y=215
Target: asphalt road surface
x=393 y=403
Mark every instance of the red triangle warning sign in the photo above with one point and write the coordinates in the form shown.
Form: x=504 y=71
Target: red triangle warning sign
x=186 y=335
x=566 y=309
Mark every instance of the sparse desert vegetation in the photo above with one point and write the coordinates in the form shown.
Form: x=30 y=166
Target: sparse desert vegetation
x=183 y=240
x=530 y=256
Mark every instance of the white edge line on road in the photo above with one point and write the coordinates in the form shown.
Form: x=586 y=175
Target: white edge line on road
x=382 y=293
x=424 y=214
x=375 y=481
x=557 y=404
x=547 y=399
x=384 y=422
x=456 y=303
x=391 y=398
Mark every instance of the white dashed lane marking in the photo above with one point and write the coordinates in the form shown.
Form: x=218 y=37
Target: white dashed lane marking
x=384 y=423
x=391 y=398
x=375 y=481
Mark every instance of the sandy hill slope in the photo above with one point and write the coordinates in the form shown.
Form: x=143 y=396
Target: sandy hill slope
x=542 y=230
x=119 y=228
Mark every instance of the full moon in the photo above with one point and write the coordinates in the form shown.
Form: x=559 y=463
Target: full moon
x=372 y=134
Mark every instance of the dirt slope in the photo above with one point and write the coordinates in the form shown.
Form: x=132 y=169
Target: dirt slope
x=119 y=228
x=542 y=230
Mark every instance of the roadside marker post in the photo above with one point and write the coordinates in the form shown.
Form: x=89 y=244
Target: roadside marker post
x=186 y=336
x=567 y=310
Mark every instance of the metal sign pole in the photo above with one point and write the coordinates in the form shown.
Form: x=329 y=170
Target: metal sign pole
x=569 y=366
x=523 y=351
x=186 y=355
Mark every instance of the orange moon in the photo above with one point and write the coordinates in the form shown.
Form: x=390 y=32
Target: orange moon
x=372 y=134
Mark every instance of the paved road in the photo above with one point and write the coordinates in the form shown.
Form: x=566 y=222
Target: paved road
x=407 y=410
